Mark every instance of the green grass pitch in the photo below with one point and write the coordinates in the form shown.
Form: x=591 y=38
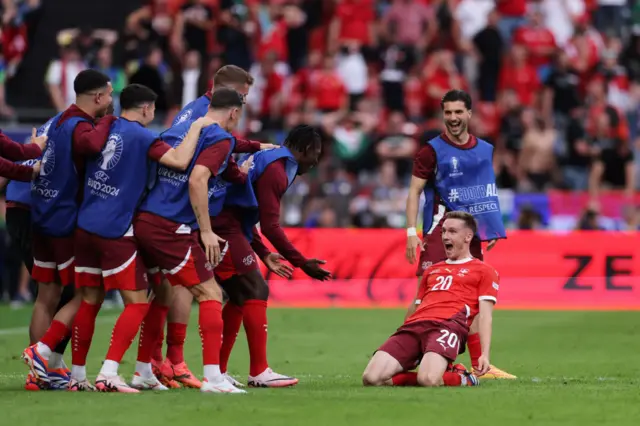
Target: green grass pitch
x=574 y=368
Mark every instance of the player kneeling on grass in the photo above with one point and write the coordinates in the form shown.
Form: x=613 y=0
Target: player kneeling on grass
x=450 y=295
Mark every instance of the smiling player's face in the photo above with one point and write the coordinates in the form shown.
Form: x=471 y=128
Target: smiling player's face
x=456 y=237
x=456 y=117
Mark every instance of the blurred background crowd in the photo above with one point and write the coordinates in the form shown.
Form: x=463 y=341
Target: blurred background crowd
x=555 y=83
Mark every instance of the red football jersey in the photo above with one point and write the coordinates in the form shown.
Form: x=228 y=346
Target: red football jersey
x=453 y=287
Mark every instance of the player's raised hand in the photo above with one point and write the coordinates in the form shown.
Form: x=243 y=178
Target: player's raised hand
x=413 y=242
x=41 y=141
x=491 y=244
x=483 y=366
x=211 y=244
x=264 y=146
x=203 y=122
x=273 y=262
x=312 y=268
x=36 y=170
x=247 y=165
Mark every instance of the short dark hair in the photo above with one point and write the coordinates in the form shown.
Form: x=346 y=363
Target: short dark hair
x=467 y=218
x=226 y=98
x=456 y=95
x=134 y=95
x=89 y=80
x=230 y=75
x=302 y=137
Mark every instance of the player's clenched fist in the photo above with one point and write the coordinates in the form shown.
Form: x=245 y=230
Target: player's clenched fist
x=312 y=268
x=413 y=242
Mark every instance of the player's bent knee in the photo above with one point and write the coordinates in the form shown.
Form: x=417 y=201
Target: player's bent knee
x=429 y=380
x=208 y=290
x=254 y=286
x=92 y=295
x=369 y=378
x=131 y=297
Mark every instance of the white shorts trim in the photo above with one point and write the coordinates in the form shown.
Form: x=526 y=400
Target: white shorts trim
x=44 y=265
x=180 y=266
x=87 y=270
x=66 y=264
x=120 y=268
x=153 y=270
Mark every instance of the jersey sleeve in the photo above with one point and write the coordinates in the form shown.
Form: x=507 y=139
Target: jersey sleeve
x=489 y=285
x=424 y=163
x=213 y=156
x=158 y=149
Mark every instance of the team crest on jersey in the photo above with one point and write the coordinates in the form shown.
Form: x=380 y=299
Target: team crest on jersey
x=455 y=167
x=463 y=272
x=48 y=159
x=183 y=117
x=425 y=265
x=248 y=260
x=110 y=155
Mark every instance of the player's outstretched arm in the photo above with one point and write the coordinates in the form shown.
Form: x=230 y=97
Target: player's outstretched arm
x=413 y=201
x=485 y=321
x=199 y=197
x=244 y=146
x=16 y=151
x=271 y=260
x=180 y=157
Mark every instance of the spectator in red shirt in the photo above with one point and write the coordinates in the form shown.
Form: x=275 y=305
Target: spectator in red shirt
x=518 y=75
x=328 y=92
x=513 y=15
x=440 y=76
x=353 y=20
x=539 y=41
x=272 y=96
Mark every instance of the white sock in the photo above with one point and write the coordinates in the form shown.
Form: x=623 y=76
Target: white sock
x=44 y=350
x=110 y=368
x=55 y=360
x=144 y=369
x=212 y=373
x=62 y=363
x=79 y=372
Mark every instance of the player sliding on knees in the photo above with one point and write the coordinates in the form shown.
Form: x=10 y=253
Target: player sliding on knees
x=258 y=201
x=451 y=294
x=167 y=231
x=455 y=172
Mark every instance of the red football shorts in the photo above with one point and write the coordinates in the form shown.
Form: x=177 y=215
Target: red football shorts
x=411 y=341
x=114 y=262
x=434 y=250
x=53 y=259
x=177 y=255
x=239 y=258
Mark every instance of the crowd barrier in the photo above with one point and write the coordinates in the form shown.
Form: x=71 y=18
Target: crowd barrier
x=538 y=270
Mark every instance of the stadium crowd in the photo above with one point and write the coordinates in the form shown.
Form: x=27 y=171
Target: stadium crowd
x=555 y=83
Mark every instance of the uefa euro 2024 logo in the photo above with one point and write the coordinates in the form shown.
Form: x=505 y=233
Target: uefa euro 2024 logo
x=110 y=155
x=455 y=167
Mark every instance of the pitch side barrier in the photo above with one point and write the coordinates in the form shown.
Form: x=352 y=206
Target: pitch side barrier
x=587 y=270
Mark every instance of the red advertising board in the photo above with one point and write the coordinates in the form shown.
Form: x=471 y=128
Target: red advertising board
x=538 y=270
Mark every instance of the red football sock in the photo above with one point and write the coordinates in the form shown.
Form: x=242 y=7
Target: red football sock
x=55 y=334
x=475 y=350
x=408 y=378
x=83 y=327
x=151 y=331
x=232 y=319
x=452 y=379
x=255 y=325
x=157 y=351
x=125 y=330
x=210 y=322
x=176 y=335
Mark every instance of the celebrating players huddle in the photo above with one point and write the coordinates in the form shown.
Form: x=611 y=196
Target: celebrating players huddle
x=115 y=206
